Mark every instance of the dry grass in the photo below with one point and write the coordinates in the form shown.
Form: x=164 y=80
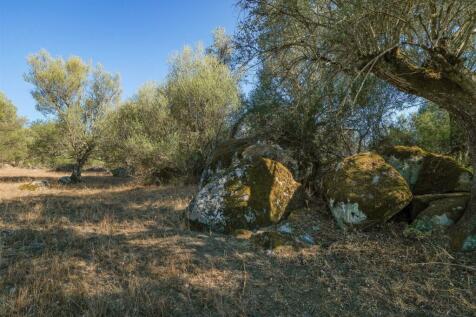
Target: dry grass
x=109 y=247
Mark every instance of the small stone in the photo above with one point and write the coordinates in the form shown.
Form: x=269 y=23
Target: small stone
x=285 y=228
x=307 y=239
x=469 y=243
x=65 y=180
x=243 y=234
x=41 y=183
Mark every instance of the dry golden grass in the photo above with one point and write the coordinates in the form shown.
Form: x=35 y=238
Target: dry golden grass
x=109 y=247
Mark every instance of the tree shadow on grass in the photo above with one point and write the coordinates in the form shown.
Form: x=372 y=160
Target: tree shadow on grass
x=149 y=273
x=128 y=252
x=118 y=206
x=96 y=181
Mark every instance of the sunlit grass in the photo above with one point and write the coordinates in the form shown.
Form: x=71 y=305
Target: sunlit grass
x=111 y=247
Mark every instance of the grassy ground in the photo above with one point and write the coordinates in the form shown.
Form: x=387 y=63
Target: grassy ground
x=108 y=247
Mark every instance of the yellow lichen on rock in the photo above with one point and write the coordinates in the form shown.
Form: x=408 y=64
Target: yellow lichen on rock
x=261 y=197
x=365 y=190
x=428 y=173
x=246 y=196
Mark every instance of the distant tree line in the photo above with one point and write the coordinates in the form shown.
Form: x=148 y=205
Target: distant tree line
x=166 y=131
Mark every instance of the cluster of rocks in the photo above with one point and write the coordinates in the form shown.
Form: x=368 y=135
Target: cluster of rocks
x=368 y=188
x=249 y=186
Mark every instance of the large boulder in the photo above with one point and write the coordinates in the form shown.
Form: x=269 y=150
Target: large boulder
x=428 y=173
x=438 y=211
x=364 y=190
x=234 y=152
x=247 y=195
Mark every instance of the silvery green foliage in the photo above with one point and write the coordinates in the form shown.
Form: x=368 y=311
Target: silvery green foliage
x=13 y=137
x=78 y=96
x=172 y=126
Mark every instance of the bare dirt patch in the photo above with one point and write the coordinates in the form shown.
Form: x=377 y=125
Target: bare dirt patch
x=109 y=247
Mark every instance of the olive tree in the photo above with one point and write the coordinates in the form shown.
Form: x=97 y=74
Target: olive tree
x=424 y=48
x=142 y=135
x=167 y=130
x=45 y=143
x=77 y=95
x=202 y=93
x=222 y=47
x=12 y=134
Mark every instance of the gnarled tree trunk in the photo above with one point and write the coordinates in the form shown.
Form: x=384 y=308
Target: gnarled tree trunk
x=463 y=234
x=78 y=166
x=452 y=87
x=77 y=169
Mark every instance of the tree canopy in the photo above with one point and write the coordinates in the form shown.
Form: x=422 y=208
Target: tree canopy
x=13 y=137
x=78 y=96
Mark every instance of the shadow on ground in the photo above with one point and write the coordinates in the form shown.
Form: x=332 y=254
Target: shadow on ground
x=128 y=251
x=88 y=181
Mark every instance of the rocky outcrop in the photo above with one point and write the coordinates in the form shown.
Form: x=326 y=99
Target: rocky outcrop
x=428 y=173
x=247 y=195
x=438 y=211
x=364 y=190
x=234 y=152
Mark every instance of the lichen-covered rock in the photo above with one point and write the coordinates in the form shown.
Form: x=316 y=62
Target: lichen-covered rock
x=438 y=211
x=365 y=190
x=234 y=152
x=428 y=173
x=65 y=180
x=35 y=185
x=463 y=234
x=469 y=244
x=245 y=196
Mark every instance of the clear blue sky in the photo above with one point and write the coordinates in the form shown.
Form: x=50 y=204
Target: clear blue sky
x=134 y=38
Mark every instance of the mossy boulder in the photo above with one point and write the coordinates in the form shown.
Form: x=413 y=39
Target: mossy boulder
x=463 y=234
x=248 y=195
x=428 y=173
x=438 y=211
x=234 y=152
x=364 y=190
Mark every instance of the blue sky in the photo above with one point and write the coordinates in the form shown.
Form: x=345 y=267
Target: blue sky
x=134 y=38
